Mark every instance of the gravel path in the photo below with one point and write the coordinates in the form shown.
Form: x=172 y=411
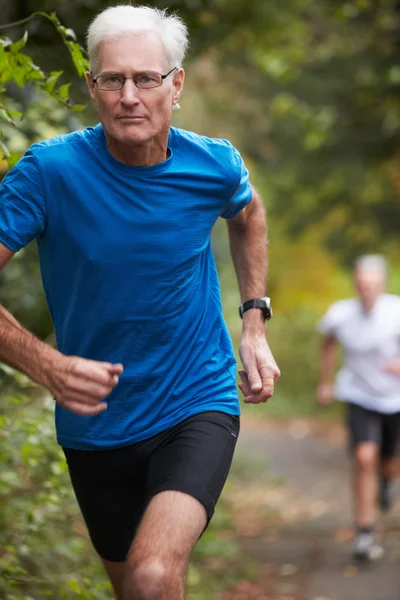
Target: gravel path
x=297 y=522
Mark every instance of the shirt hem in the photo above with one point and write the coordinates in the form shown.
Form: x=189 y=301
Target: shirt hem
x=371 y=405
x=93 y=444
x=7 y=241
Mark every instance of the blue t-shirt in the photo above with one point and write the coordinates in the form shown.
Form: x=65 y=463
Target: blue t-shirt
x=129 y=274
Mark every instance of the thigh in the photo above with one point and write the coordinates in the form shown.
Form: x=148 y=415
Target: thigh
x=390 y=435
x=170 y=527
x=364 y=425
x=110 y=488
x=195 y=458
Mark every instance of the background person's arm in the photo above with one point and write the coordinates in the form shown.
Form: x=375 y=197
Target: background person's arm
x=248 y=244
x=392 y=366
x=329 y=352
x=77 y=384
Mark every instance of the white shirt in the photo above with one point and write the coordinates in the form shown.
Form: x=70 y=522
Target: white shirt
x=369 y=340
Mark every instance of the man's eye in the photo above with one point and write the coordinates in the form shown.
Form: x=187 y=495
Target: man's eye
x=112 y=79
x=145 y=78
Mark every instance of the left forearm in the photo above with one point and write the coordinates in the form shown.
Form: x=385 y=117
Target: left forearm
x=248 y=244
x=393 y=366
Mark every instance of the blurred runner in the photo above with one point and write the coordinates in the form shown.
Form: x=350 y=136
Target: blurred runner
x=368 y=329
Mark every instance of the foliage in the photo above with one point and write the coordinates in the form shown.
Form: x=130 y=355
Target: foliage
x=18 y=67
x=44 y=547
x=308 y=91
x=37 y=516
x=312 y=89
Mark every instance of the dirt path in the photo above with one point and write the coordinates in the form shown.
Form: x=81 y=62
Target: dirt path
x=294 y=519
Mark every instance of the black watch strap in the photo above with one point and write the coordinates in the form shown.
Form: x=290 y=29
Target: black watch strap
x=262 y=303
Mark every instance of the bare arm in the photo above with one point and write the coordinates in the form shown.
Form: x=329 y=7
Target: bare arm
x=248 y=244
x=392 y=366
x=327 y=369
x=77 y=384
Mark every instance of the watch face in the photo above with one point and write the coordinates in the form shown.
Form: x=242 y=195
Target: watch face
x=267 y=301
x=268 y=308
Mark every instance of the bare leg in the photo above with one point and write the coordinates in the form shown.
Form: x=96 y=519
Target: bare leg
x=158 y=559
x=389 y=467
x=116 y=574
x=365 y=483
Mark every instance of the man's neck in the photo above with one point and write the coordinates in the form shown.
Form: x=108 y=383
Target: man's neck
x=138 y=155
x=368 y=305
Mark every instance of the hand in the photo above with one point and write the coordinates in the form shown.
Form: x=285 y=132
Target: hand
x=80 y=385
x=261 y=371
x=325 y=393
x=392 y=366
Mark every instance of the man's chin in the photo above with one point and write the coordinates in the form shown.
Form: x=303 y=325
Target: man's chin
x=133 y=138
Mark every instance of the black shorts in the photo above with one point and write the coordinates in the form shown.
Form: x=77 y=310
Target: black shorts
x=371 y=426
x=113 y=487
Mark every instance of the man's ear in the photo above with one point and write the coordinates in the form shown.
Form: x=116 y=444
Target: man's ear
x=91 y=86
x=179 y=80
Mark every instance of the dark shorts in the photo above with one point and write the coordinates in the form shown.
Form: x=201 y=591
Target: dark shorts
x=370 y=426
x=114 y=487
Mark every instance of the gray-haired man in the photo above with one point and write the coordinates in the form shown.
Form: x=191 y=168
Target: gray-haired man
x=368 y=329
x=144 y=374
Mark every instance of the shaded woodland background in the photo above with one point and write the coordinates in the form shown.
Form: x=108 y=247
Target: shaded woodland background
x=308 y=91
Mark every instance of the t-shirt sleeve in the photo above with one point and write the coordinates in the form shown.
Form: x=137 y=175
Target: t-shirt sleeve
x=243 y=192
x=330 y=321
x=22 y=204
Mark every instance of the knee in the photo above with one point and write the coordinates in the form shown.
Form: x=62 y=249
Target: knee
x=146 y=581
x=366 y=456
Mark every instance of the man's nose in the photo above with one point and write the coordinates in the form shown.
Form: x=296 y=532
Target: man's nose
x=129 y=93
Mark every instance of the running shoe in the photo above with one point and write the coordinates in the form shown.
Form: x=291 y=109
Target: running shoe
x=366 y=549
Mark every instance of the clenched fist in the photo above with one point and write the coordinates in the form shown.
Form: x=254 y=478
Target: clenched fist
x=80 y=385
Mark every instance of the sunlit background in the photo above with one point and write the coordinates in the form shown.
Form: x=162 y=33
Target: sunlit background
x=309 y=92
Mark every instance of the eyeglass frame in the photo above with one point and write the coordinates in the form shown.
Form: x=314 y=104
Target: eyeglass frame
x=94 y=79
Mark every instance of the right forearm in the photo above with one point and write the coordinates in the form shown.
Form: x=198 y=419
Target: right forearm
x=23 y=351
x=328 y=361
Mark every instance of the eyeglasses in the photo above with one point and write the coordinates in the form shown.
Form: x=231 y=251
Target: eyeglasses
x=143 y=81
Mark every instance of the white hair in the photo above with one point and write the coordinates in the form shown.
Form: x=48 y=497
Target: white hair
x=371 y=262
x=121 y=20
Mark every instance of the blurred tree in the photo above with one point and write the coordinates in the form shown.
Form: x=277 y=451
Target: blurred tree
x=313 y=94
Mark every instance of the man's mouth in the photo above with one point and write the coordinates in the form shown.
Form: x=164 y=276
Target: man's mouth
x=131 y=118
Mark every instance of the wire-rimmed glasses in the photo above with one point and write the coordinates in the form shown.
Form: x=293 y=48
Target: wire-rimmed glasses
x=144 y=81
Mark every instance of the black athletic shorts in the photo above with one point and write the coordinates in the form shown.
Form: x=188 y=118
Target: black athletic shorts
x=113 y=487
x=371 y=426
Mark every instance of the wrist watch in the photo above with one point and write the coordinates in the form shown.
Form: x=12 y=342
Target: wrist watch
x=264 y=304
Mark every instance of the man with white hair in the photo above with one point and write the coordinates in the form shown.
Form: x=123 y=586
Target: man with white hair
x=368 y=329
x=144 y=374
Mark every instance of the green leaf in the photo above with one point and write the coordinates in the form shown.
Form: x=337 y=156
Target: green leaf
x=4 y=64
x=78 y=107
x=63 y=92
x=80 y=62
x=19 y=75
x=71 y=33
x=19 y=44
x=5 y=42
x=51 y=81
x=12 y=159
x=15 y=113
x=5 y=151
x=5 y=116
